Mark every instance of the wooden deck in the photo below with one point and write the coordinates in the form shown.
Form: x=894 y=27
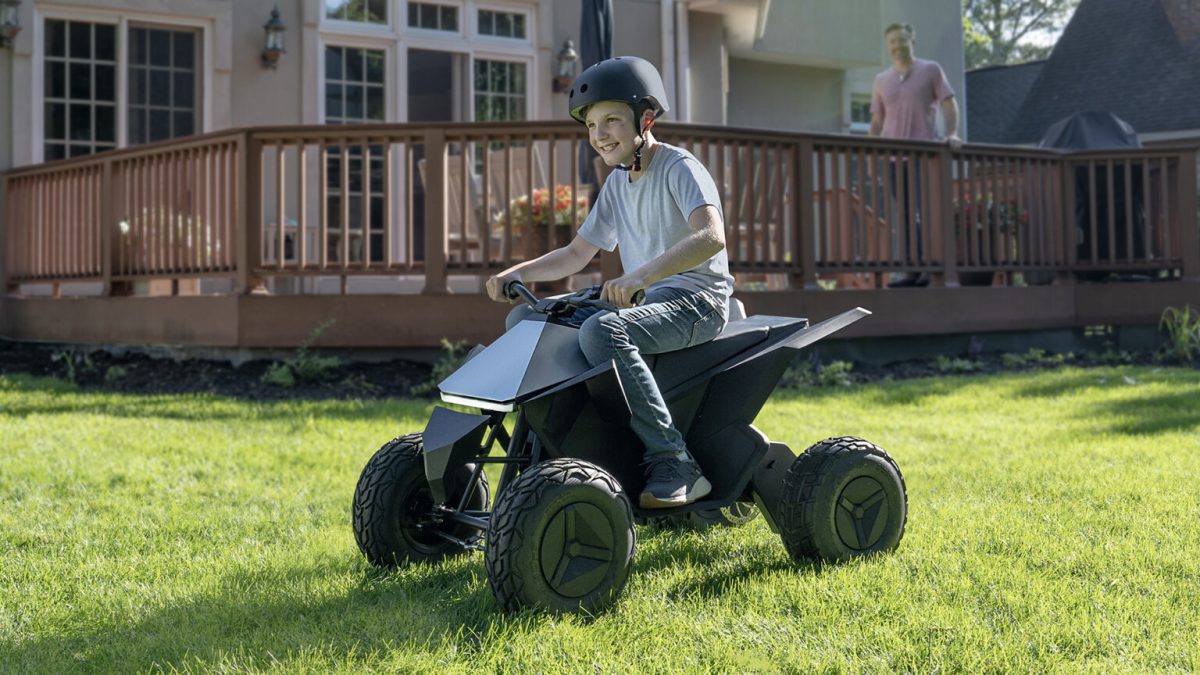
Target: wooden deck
x=251 y=238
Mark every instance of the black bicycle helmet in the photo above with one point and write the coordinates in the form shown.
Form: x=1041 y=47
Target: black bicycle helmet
x=623 y=78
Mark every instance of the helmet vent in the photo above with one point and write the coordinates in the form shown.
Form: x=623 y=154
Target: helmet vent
x=583 y=88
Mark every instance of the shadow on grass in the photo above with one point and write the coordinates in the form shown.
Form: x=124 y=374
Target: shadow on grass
x=684 y=548
x=250 y=620
x=1148 y=415
x=43 y=396
x=256 y=618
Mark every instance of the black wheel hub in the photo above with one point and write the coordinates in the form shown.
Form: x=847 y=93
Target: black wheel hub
x=577 y=550
x=861 y=514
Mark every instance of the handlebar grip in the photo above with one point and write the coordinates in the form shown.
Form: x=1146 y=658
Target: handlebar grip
x=515 y=289
x=638 y=297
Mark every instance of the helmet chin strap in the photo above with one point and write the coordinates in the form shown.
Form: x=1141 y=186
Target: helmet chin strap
x=637 y=151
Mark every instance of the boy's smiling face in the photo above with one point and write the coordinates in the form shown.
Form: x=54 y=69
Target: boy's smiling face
x=611 y=131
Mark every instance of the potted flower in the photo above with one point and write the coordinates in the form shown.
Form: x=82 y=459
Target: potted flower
x=537 y=213
x=1001 y=218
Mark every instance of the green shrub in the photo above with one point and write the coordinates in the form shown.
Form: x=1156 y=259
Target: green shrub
x=304 y=365
x=947 y=365
x=1182 y=327
x=74 y=363
x=115 y=374
x=454 y=354
x=804 y=373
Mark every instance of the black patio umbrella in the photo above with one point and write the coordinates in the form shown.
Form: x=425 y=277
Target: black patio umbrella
x=1090 y=130
x=1093 y=130
x=595 y=45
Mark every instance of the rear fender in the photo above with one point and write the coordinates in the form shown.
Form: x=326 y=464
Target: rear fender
x=451 y=439
x=767 y=484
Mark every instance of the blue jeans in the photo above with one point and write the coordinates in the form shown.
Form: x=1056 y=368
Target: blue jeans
x=668 y=320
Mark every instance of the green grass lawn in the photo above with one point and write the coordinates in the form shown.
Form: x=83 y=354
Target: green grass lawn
x=1054 y=524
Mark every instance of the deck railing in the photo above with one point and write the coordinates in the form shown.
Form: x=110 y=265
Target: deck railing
x=418 y=199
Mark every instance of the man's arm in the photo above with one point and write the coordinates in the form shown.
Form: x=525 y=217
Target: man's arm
x=950 y=115
x=705 y=241
x=876 y=123
x=559 y=263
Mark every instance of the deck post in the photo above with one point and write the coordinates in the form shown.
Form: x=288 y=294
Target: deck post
x=249 y=215
x=435 y=212
x=1189 y=238
x=944 y=216
x=804 y=237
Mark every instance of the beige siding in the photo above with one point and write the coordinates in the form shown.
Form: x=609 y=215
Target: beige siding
x=707 y=69
x=774 y=96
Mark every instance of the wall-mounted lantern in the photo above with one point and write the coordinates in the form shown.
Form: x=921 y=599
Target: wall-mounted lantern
x=9 y=24
x=274 y=49
x=564 y=67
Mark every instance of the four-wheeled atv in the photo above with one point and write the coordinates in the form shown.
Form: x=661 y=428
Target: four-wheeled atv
x=560 y=535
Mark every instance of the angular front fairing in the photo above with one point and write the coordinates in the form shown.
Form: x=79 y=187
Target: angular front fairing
x=530 y=357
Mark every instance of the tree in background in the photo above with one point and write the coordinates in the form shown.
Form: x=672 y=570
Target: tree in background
x=996 y=32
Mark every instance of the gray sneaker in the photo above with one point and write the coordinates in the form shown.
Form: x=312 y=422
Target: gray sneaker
x=672 y=480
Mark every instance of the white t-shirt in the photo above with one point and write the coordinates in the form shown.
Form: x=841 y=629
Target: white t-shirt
x=649 y=216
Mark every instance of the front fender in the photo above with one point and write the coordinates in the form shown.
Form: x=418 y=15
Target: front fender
x=451 y=439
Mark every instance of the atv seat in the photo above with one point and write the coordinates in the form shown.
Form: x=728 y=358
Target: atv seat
x=672 y=368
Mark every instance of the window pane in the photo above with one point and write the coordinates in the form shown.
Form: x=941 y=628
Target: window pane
x=336 y=9
x=106 y=42
x=106 y=83
x=184 y=124
x=80 y=150
x=377 y=11
x=56 y=79
x=449 y=18
x=55 y=151
x=375 y=104
x=160 y=125
x=354 y=65
x=160 y=48
x=81 y=40
x=106 y=124
x=429 y=16
x=480 y=75
x=56 y=38
x=137 y=125
x=137 y=86
x=375 y=67
x=486 y=22
x=185 y=50
x=56 y=120
x=81 y=81
x=185 y=89
x=354 y=102
x=518 y=22
x=138 y=45
x=333 y=101
x=504 y=24
x=80 y=123
x=333 y=63
x=518 y=78
x=414 y=15
x=160 y=87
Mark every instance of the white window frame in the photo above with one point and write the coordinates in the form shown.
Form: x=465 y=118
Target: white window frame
x=463 y=17
x=499 y=40
x=389 y=49
x=852 y=126
x=121 y=19
x=399 y=39
x=480 y=55
x=343 y=26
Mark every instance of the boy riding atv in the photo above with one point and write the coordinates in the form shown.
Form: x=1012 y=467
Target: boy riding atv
x=664 y=211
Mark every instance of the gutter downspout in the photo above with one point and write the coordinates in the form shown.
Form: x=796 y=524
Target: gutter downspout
x=683 y=64
x=667 y=19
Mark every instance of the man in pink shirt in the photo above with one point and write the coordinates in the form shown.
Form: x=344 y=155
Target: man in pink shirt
x=903 y=104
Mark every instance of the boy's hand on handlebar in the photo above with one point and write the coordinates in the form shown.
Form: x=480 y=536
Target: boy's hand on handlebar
x=622 y=290
x=496 y=284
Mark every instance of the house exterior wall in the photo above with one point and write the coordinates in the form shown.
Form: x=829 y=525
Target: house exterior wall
x=785 y=97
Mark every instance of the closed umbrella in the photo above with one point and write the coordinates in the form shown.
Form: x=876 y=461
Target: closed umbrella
x=595 y=45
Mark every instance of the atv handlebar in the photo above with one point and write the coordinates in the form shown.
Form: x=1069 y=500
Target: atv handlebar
x=588 y=297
